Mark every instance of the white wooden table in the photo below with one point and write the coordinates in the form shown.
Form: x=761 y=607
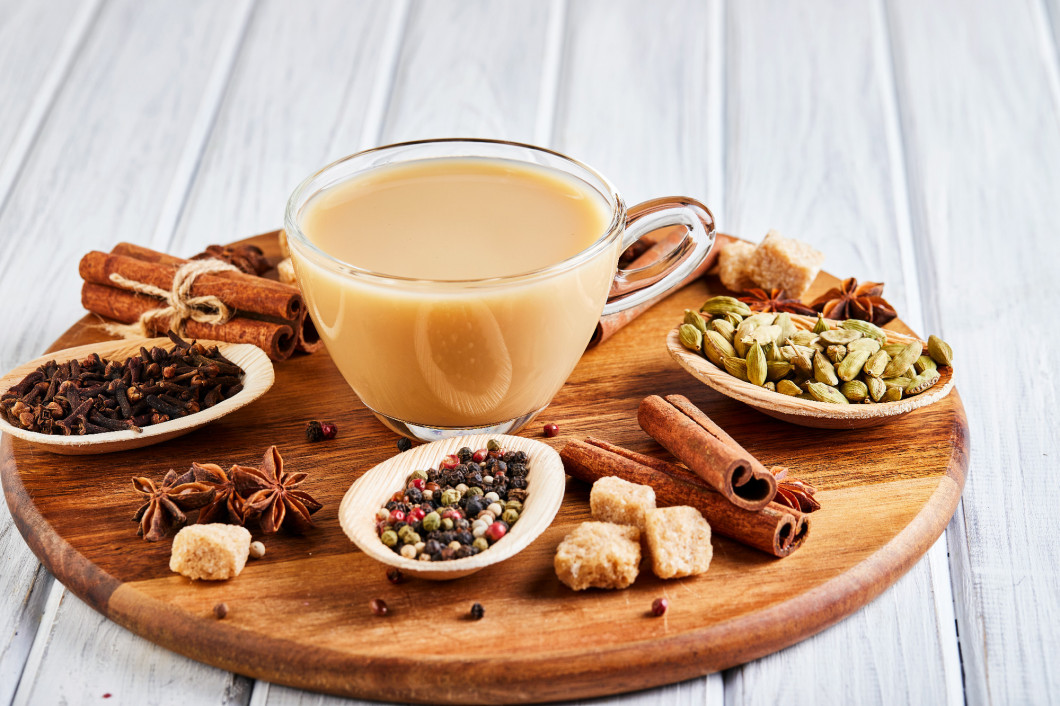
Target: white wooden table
x=916 y=143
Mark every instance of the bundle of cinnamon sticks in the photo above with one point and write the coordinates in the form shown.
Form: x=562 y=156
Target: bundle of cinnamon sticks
x=267 y=313
x=733 y=490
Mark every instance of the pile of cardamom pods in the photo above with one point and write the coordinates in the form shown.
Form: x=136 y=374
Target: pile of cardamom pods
x=852 y=362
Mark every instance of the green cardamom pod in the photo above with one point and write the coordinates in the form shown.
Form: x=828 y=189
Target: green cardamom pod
x=740 y=345
x=855 y=390
x=835 y=353
x=715 y=347
x=737 y=367
x=772 y=387
x=803 y=363
x=840 y=336
x=876 y=363
x=756 y=365
x=772 y=351
x=823 y=371
x=901 y=382
x=904 y=360
x=733 y=319
x=866 y=329
x=851 y=366
x=939 y=350
x=922 y=382
x=924 y=362
x=690 y=337
x=723 y=327
x=827 y=393
x=864 y=344
x=893 y=349
x=777 y=369
x=803 y=338
x=893 y=394
x=876 y=388
x=696 y=320
x=821 y=324
x=787 y=387
x=719 y=306
x=787 y=326
x=765 y=334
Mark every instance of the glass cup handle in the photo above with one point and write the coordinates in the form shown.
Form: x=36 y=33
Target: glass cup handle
x=634 y=287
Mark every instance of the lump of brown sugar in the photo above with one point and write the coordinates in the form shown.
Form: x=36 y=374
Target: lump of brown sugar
x=599 y=555
x=732 y=265
x=213 y=552
x=679 y=541
x=784 y=263
x=613 y=499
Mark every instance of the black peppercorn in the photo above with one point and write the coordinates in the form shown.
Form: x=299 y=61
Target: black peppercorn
x=475 y=505
x=414 y=495
x=395 y=576
x=432 y=546
x=313 y=431
x=517 y=484
x=464 y=537
x=404 y=444
x=464 y=454
x=221 y=611
x=477 y=611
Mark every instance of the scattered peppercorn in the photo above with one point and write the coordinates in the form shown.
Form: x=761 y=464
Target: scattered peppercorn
x=378 y=606
x=395 y=576
x=319 y=431
x=329 y=429
x=257 y=550
x=551 y=430
x=659 y=606
x=404 y=444
x=477 y=611
x=220 y=610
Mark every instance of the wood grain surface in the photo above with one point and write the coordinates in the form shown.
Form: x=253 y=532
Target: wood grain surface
x=300 y=615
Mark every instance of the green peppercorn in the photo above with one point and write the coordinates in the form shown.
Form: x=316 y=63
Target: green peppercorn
x=432 y=521
x=481 y=544
x=389 y=538
x=450 y=496
x=405 y=529
x=411 y=538
x=421 y=475
x=513 y=505
x=447 y=524
x=493 y=445
x=510 y=516
x=474 y=490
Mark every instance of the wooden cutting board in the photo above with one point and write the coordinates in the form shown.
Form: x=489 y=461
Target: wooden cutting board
x=300 y=615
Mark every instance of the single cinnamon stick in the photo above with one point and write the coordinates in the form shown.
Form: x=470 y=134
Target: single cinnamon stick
x=705 y=448
x=243 y=295
x=775 y=529
x=276 y=339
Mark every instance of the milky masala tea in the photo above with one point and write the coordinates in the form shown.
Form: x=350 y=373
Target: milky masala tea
x=440 y=355
x=455 y=291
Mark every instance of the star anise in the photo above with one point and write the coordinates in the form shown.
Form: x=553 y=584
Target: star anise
x=226 y=505
x=270 y=495
x=246 y=258
x=853 y=301
x=773 y=300
x=165 y=504
x=794 y=493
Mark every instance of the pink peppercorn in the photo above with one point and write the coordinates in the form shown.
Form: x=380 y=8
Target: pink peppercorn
x=659 y=606
x=449 y=462
x=418 y=483
x=551 y=430
x=495 y=531
x=480 y=455
x=416 y=514
x=397 y=516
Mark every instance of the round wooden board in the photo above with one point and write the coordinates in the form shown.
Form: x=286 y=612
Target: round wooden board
x=300 y=615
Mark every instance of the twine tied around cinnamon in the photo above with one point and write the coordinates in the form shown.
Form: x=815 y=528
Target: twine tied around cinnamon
x=178 y=304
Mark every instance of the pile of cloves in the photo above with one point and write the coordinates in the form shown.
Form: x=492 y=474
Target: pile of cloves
x=94 y=395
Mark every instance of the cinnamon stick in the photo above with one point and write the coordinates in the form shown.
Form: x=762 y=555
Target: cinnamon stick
x=775 y=529
x=307 y=338
x=276 y=339
x=96 y=267
x=707 y=450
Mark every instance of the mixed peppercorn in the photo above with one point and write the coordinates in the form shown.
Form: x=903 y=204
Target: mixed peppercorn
x=456 y=510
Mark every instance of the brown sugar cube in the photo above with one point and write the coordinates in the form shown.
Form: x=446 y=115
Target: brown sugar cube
x=679 y=540
x=784 y=263
x=599 y=555
x=732 y=265
x=613 y=499
x=212 y=552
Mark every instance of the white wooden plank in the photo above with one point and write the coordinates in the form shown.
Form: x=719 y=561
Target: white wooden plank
x=37 y=42
x=297 y=91
x=470 y=68
x=97 y=171
x=80 y=657
x=982 y=135
x=634 y=102
x=814 y=150
x=266 y=694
